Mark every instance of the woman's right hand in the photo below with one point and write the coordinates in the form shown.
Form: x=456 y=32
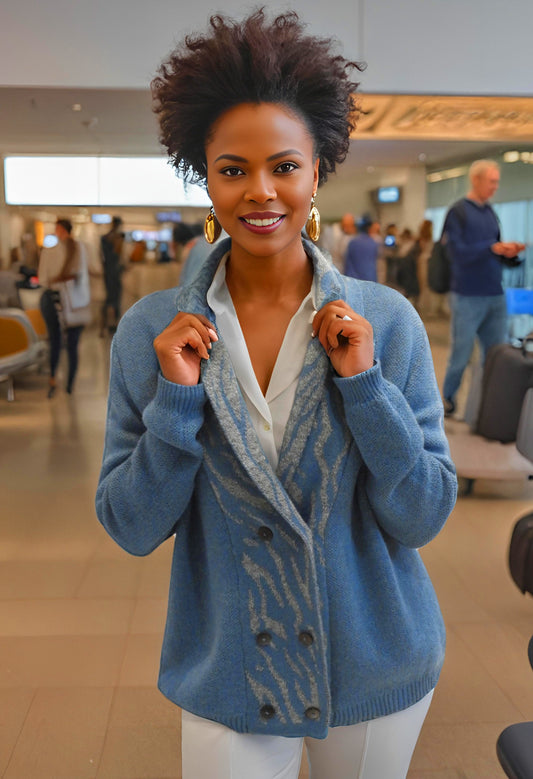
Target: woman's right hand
x=182 y=346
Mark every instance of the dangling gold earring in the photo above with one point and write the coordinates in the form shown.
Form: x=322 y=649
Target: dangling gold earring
x=212 y=228
x=312 y=225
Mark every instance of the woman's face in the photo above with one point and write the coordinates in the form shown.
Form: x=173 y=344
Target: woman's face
x=261 y=174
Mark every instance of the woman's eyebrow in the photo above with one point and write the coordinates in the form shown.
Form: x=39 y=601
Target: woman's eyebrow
x=284 y=154
x=232 y=157
x=237 y=158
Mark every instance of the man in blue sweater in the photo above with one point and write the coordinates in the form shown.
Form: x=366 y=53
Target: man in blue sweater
x=362 y=253
x=477 y=302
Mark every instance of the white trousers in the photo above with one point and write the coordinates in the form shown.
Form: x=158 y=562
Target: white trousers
x=379 y=749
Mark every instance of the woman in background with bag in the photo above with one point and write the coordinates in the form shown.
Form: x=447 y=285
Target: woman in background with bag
x=65 y=303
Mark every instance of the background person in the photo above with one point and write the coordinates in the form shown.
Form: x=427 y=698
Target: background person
x=477 y=301
x=407 y=260
x=362 y=253
x=344 y=231
x=425 y=243
x=111 y=246
x=64 y=262
x=299 y=474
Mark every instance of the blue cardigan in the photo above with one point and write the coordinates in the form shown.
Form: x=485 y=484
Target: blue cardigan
x=298 y=600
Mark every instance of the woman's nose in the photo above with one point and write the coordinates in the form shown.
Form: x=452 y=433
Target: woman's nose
x=260 y=189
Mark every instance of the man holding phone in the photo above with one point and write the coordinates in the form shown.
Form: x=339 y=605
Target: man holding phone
x=477 y=256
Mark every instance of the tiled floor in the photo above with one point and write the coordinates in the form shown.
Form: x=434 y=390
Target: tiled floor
x=81 y=621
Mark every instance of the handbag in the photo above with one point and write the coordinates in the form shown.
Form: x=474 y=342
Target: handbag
x=75 y=296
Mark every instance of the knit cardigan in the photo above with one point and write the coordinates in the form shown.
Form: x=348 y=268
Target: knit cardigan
x=298 y=600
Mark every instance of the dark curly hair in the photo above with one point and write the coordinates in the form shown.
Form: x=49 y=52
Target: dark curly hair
x=253 y=61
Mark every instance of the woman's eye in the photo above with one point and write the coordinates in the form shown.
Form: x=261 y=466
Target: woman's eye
x=286 y=167
x=231 y=172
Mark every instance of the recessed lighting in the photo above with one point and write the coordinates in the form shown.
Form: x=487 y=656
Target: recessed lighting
x=76 y=106
x=525 y=156
x=422 y=157
x=511 y=156
x=442 y=175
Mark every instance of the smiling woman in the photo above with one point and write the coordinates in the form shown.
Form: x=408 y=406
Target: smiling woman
x=284 y=423
x=265 y=189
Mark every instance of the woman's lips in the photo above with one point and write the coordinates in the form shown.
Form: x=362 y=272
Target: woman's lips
x=262 y=223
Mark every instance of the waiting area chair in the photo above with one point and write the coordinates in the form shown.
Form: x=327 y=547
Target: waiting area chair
x=514 y=747
x=21 y=347
x=515 y=744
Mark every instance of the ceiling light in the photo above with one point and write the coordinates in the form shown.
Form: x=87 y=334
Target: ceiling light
x=511 y=156
x=441 y=175
x=525 y=156
x=76 y=106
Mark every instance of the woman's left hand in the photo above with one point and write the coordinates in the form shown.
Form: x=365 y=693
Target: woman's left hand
x=347 y=337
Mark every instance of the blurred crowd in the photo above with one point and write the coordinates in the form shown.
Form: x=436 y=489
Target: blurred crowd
x=398 y=257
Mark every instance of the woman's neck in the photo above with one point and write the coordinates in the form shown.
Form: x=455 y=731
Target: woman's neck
x=269 y=279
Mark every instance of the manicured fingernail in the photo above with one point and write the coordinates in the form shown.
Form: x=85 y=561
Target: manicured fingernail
x=212 y=333
x=313 y=334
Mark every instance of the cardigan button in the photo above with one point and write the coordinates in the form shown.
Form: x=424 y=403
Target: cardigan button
x=312 y=713
x=305 y=638
x=267 y=711
x=265 y=533
x=263 y=639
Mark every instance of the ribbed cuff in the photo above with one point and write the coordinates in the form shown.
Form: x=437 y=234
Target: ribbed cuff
x=176 y=413
x=181 y=398
x=363 y=387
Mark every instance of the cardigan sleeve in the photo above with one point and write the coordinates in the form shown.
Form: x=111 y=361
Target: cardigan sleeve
x=395 y=415
x=151 y=457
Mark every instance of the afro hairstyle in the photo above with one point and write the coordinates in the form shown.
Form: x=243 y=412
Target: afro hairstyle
x=253 y=61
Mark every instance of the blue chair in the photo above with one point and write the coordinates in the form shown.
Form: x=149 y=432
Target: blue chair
x=519 y=303
x=519 y=300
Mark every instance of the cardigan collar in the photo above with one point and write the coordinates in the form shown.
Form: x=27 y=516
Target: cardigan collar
x=228 y=404
x=330 y=285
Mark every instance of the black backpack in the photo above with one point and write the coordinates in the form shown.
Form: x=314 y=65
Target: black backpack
x=439 y=271
x=439 y=266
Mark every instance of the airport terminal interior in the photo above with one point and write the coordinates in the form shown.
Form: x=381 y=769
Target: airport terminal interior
x=81 y=621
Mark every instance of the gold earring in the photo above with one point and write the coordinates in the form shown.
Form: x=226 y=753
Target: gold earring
x=212 y=228
x=312 y=226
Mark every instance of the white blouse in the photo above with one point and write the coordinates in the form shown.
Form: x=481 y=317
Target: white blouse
x=270 y=412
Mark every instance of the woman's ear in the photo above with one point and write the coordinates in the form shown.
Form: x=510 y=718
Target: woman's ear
x=315 y=174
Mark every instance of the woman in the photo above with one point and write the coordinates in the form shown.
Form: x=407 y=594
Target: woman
x=425 y=242
x=56 y=267
x=284 y=423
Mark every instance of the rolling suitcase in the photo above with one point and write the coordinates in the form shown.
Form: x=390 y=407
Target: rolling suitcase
x=507 y=375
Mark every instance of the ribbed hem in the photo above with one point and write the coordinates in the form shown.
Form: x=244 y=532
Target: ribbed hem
x=380 y=706
x=383 y=705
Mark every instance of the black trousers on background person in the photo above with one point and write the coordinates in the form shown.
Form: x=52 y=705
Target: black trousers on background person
x=50 y=305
